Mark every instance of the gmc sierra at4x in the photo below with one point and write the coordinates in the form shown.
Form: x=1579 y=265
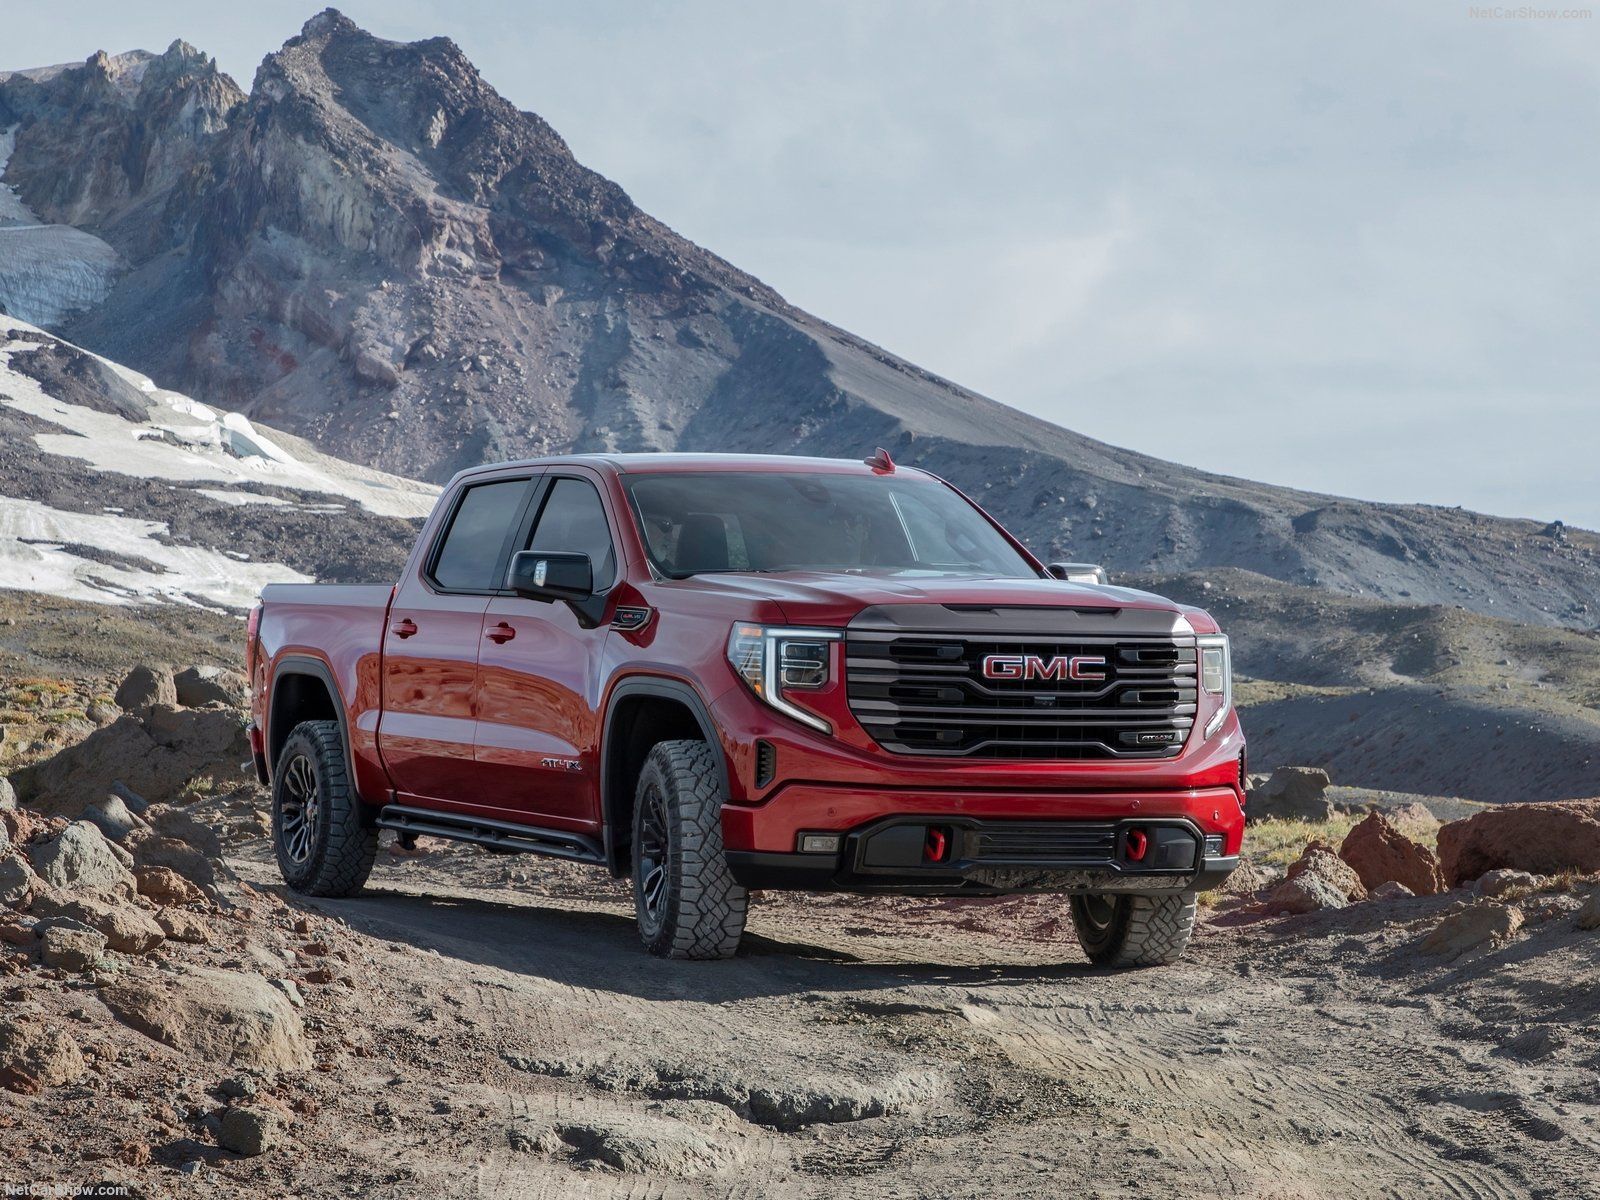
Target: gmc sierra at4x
x=719 y=673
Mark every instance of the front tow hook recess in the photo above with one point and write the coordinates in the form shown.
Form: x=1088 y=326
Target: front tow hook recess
x=1138 y=845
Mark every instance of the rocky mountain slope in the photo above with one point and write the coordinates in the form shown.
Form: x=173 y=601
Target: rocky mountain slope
x=114 y=490
x=376 y=251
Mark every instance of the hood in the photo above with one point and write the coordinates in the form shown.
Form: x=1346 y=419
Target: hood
x=835 y=598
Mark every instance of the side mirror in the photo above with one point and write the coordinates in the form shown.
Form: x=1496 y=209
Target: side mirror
x=1078 y=572
x=551 y=575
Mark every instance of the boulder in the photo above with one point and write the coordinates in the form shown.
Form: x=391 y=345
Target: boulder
x=1305 y=893
x=34 y=1056
x=82 y=860
x=8 y=794
x=1499 y=882
x=152 y=850
x=224 y=1017
x=165 y=886
x=74 y=950
x=1319 y=858
x=176 y=823
x=1588 y=917
x=1546 y=839
x=112 y=818
x=144 y=686
x=1292 y=794
x=183 y=926
x=125 y=928
x=16 y=881
x=1392 y=891
x=201 y=686
x=1379 y=853
x=249 y=1130
x=1469 y=928
x=154 y=753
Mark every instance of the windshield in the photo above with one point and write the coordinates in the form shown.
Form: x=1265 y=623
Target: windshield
x=766 y=521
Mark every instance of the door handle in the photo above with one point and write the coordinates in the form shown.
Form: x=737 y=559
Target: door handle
x=501 y=634
x=405 y=628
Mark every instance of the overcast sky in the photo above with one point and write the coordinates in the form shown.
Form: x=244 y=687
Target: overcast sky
x=1353 y=248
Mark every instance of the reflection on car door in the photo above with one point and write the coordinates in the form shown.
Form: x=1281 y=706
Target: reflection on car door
x=538 y=669
x=430 y=646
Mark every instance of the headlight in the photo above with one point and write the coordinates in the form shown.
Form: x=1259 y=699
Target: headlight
x=1216 y=675
x=773 y=660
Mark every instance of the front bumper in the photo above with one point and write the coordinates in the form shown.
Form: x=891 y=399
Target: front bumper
x=937 y=854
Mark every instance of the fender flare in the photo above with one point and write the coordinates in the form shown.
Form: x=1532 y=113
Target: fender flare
x=316 y=668
x=663 y=688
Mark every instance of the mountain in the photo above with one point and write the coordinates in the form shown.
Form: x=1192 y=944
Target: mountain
x=116 y=491
x=377 y=252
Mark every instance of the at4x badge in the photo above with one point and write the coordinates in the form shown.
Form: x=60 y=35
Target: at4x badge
x=1034 y=666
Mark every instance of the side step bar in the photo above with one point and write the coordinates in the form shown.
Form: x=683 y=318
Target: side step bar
x=496 y=835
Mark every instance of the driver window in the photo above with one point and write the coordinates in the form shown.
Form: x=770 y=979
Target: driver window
x=574 y=519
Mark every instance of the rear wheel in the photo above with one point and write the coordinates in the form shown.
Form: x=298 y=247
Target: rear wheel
x=1134 y=930
x=323 y=846
x=684 y=896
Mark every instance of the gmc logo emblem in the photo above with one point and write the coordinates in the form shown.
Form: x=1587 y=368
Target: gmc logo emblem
x=1033 y=666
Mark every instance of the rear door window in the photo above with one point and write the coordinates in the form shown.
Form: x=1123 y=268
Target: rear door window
x=472 y=555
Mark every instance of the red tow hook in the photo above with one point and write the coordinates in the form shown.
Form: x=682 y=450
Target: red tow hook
x=1138 y=843
x=937 y=845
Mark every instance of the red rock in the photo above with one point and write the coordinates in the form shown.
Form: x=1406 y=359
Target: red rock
x=1546 y=839
x=1379 y=853
x=1322 y=860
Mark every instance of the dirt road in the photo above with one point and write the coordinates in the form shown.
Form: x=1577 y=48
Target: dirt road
x=507 y=1038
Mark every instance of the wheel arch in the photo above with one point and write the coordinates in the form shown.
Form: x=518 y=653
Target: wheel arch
x=304 y=689
x=641 y=711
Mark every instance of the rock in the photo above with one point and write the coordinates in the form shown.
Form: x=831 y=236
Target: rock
x=18 y=931
x=165 y=886
x=1471 y=927
x=182 y=926
x=1392 y=890
x=249 y=1130
x=1503 y=880
x=1305 y=893
x=153 y=753
x=1413 y=813
x=291 y=991
x=144 y=686
x=112 y=818
x=126 y=929
x=75 y=950
x=201 y=686
x=644 y=1144
x=1293 y=794
x=1588 y=917
x=176 y=823
x=82 y=860
x=225 y=1017
x=1250 y=878
x=151 y=851
x=1546 y=839
x=16 y=881
x=35 y=1056
x=1380 y=853
x=1319 y=858
x=8 y=794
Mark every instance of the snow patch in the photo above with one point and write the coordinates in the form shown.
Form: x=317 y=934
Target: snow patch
x=37 y=555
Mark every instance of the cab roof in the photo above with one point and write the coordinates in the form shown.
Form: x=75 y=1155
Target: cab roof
x=667 y=462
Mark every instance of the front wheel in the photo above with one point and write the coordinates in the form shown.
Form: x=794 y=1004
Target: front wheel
x=323 y=846
x=684 y=896
x=1134 y=930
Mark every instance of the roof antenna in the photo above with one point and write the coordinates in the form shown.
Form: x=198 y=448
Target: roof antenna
x=880 y=462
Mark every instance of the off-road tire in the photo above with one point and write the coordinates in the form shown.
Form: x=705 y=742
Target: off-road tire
x=1134 y=930
x=685 y=898
x=336 y=853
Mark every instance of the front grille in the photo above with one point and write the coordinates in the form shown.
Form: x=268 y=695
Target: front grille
x=1045 y=842
x=925 y=693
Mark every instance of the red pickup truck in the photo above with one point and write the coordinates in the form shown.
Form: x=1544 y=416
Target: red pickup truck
x=717 y=673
